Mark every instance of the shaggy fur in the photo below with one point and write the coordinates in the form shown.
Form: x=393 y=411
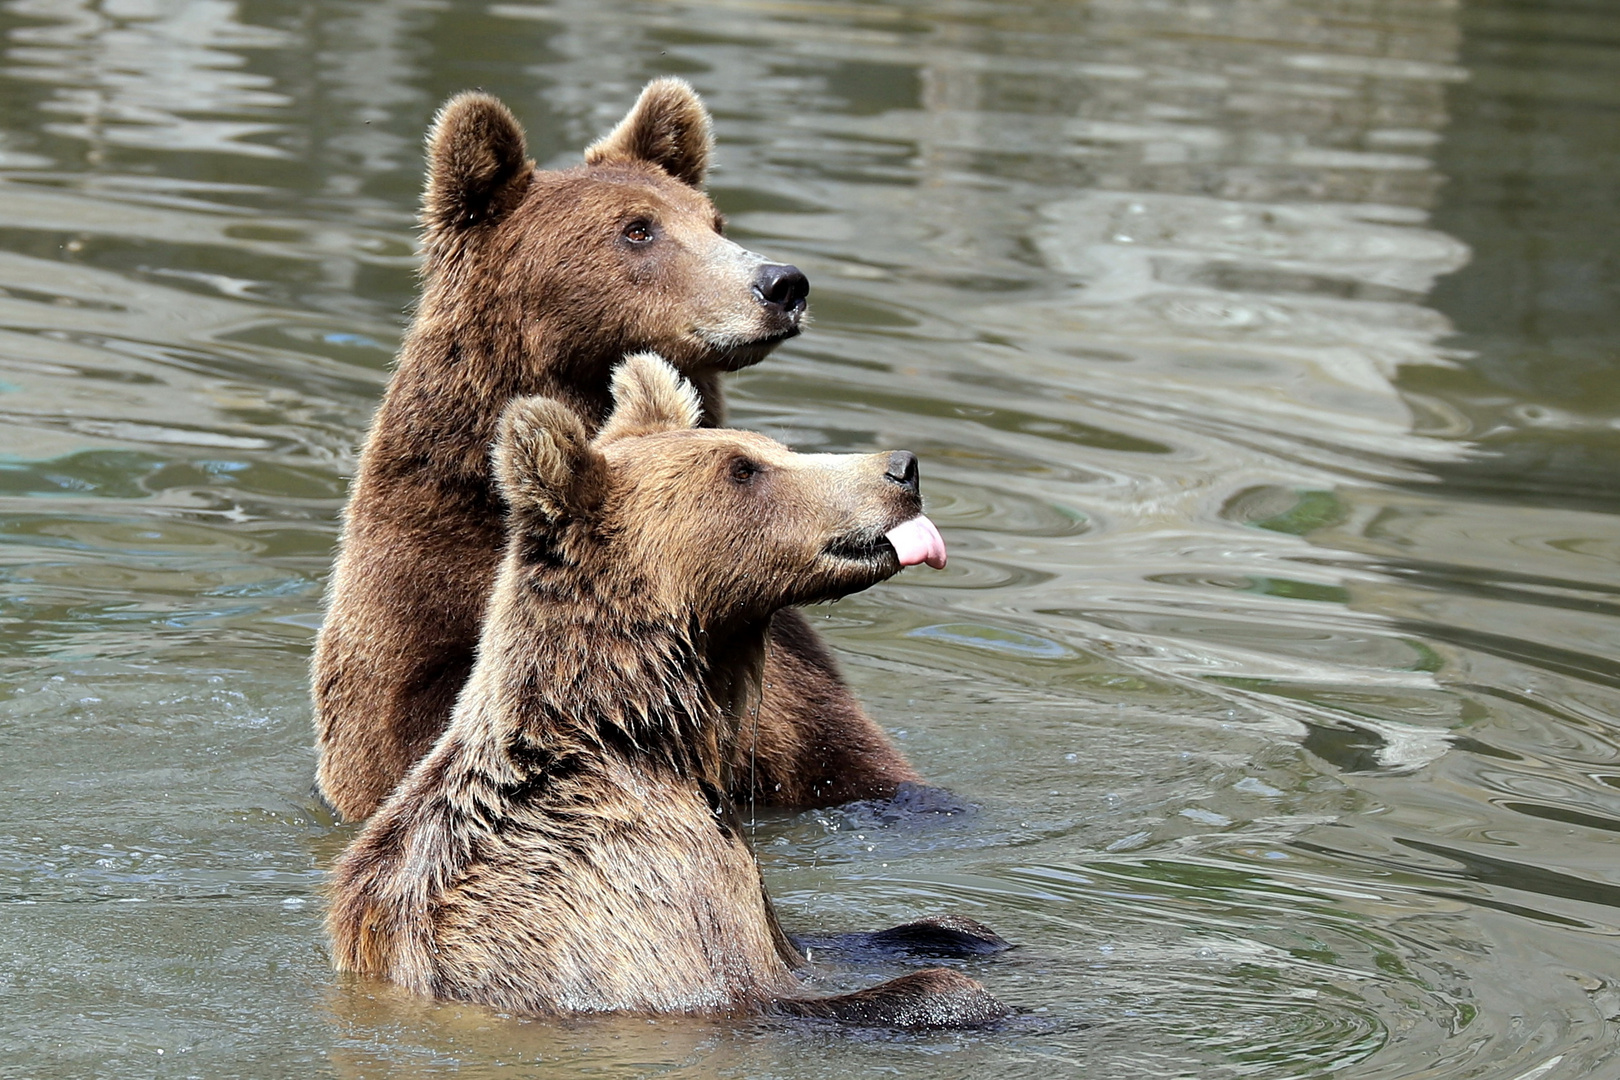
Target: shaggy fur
x=539 y=282
x=569 y=844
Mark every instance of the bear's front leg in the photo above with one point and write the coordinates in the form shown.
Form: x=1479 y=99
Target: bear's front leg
x=941 y=936
x=935 y=998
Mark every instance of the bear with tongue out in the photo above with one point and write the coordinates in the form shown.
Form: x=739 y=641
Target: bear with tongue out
x=570 y=843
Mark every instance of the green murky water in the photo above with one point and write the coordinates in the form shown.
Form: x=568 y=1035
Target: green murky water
x=1261 y=356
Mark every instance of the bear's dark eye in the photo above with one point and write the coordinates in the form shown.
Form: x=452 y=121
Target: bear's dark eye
x=743 y=470
x=639 y=232
x=720 y=224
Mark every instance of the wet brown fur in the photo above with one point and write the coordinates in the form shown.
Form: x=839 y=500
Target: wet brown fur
x=529 y=286
x=569 y=844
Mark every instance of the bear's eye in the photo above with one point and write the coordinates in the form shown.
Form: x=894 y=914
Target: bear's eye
x=638 y=232
x=743 y=470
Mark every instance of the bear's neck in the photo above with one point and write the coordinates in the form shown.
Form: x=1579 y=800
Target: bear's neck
x=456 y=375
x=624 y=678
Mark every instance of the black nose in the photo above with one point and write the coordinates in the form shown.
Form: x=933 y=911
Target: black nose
x=903 y=470
x=782 y=287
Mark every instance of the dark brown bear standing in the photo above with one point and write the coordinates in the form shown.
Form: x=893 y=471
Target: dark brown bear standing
x=569 y=845
x=539 y=282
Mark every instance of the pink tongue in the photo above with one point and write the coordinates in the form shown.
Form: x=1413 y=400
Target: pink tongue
x=917 y=541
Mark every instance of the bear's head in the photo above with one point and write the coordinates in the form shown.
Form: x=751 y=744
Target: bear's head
x=621 y=254
x=713 y=528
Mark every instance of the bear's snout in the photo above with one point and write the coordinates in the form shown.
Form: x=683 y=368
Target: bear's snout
x=782 y=288
x=902 y=470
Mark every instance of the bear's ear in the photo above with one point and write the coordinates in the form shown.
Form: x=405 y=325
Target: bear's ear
x=649 y=396
x=669 y=127
x=478 y=166
x=545 y=463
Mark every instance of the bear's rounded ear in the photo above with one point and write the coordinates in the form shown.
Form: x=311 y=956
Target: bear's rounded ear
x=649 y=395
x=545 y=463
x=668 y=127
x=478 y=165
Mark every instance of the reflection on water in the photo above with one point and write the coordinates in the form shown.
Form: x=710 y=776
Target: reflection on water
x=128 y=74
x=1260 y=355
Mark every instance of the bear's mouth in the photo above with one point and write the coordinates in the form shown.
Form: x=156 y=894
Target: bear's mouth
x=741 y=354
x=867 y=547
x=913 y=541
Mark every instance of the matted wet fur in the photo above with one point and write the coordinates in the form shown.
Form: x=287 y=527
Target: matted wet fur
x=539 y=282
x=569 y=844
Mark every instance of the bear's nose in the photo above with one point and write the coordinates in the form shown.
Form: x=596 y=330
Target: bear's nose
x=782 y=287
x=902 y=470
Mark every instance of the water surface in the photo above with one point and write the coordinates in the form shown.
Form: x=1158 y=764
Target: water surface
x=1260 y=355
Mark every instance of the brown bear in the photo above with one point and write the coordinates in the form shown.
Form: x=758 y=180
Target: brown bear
x=569 y=844
x=539 y=282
